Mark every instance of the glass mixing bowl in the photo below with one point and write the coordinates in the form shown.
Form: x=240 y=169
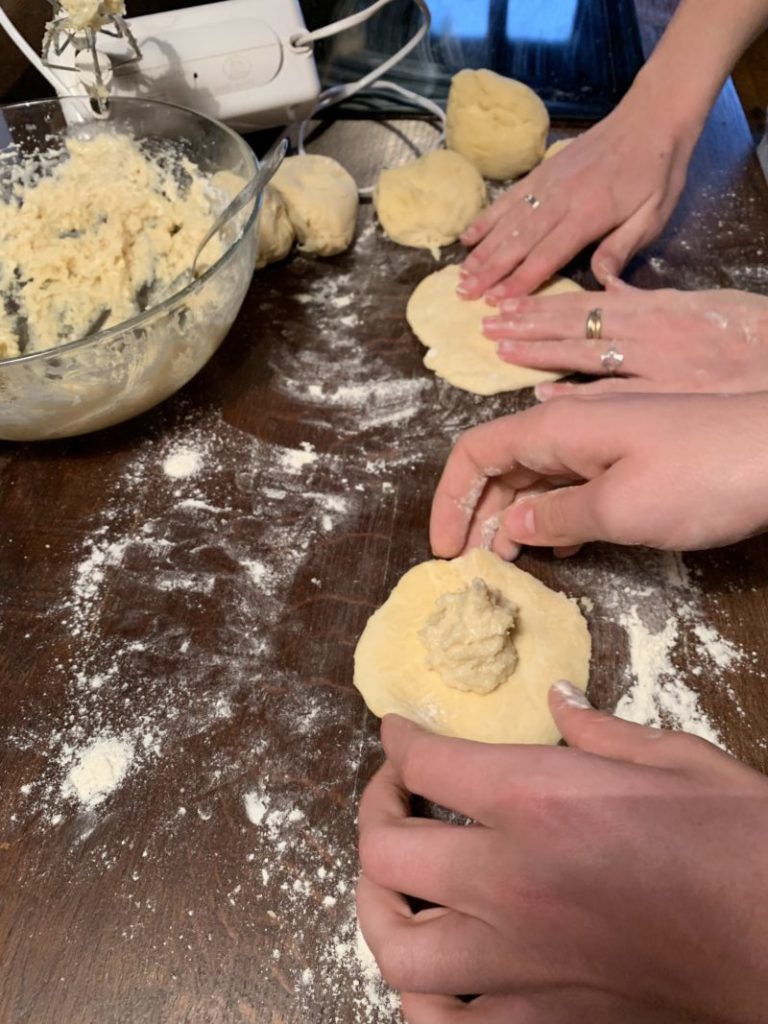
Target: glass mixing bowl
x=117 y=373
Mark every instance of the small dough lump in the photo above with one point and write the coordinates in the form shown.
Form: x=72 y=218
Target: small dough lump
x=498 y=123
x=275 y=231
x=429 y=202
x=469 y=639
x=393 y=673
x=452 y=330
x=556 y=147
x=321 y=199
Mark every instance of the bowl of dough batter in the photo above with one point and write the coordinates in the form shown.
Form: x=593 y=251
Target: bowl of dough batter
x=99 y=220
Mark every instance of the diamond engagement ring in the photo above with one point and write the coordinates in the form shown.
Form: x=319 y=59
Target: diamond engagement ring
x=532 y=201
x=594 y=324
x=612 y=361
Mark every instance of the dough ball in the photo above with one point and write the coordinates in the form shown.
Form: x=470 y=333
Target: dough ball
x=274 y=229
x=429 y=202
x=321 y=199
x=499 y=124
x=452 y=330
x=551 y=638
x=468 y=638
x=556 y=147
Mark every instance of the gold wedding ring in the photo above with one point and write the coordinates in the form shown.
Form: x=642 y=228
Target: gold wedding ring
x=594 y=324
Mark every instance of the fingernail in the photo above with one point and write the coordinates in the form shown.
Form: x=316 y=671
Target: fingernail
x=467 y=285
x=468 y=235
x=464 y=271
x=520 y=522
x=492 y=322
x=510 y=305
x=571 y=694
x=544 y=391
x=497 y=294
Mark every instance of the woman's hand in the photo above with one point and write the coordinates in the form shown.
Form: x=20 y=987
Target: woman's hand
x=619 y=181
x=671 y=341
x=679 y=472
x=623 y=880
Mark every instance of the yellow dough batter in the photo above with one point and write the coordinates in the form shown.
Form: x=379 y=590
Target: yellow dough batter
x=452 y=330
x=96 y=239
x=551 y=640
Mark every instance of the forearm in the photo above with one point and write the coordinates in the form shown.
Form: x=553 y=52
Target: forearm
x=694 y=57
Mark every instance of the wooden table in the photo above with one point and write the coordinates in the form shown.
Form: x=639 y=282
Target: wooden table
x=206 y=621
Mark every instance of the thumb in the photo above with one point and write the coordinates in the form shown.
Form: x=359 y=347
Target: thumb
x=560 y=518
x=596 y=732
x=617 y=249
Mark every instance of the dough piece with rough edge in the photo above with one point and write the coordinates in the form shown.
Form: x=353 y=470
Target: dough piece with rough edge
x=452 y=330
x=274 y=232
x=322 y=201
x=497 y=123
x=429 y=202
x=551 y=638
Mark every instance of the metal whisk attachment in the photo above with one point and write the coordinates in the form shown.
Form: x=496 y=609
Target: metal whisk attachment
x=72 y=33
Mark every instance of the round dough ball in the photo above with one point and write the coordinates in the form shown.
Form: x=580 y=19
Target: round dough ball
x=274 y=229
x=452 y=330
x=551 y=638
x=556 y=147
x=321 y=199
x=429 y=202
x=498 y=123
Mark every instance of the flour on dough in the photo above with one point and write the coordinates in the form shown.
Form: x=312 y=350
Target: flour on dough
x=551 y=639
x=458 y=351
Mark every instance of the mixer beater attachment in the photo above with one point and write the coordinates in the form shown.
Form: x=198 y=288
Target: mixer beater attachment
x=73 y=30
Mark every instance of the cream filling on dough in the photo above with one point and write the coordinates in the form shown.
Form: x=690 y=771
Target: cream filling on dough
x=551 y=639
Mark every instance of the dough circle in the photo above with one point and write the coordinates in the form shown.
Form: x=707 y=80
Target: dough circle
x=497 y=123
x=452 y=330
x=321 y=199
x=551 y=638
x=429 y=202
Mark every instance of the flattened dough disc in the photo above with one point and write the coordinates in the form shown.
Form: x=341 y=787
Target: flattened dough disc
x=552 y=643
x=458 y=351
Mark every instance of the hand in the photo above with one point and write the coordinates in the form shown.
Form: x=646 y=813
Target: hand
x=619 y=181
x=671 y=341
x=680 y=472
x=623 y=880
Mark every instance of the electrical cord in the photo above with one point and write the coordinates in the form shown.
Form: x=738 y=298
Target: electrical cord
x=373 y=81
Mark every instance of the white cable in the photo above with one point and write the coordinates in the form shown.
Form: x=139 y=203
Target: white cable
x=17 y=38
x=307 y=38
x=372 y=81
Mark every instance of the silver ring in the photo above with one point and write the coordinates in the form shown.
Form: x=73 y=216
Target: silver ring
x=594 y=324
x=532 y=201
x=612 y=361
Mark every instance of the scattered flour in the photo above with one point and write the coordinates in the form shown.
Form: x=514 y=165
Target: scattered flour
x=183 y=463
x=98 y=770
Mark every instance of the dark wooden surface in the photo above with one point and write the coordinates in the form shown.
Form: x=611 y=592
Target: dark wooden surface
x=210 y=621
